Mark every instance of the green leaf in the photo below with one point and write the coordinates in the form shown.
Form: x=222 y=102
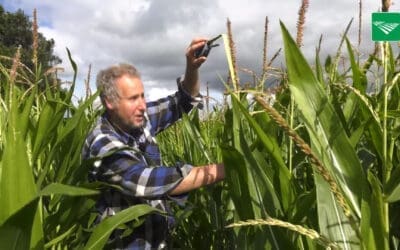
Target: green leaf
x=50 y=117
x=395 y=195
x=304 y=207
x=272 y=148
x=359 y=78
x=318 y=66
x=61 y=237
x=373 y=224
x=329 y=140
x=16 y=179
x=102 y=231
x=16 y=232
x=75 y=68
x=333 y=223
x=237 y=177
x=58 y=188
x=393 y=113
x=73 y=121
x=26 y=110
x=392 y=188
x=361 y=102
x=196 y=139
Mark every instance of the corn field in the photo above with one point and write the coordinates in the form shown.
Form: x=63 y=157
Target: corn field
x=312 y=163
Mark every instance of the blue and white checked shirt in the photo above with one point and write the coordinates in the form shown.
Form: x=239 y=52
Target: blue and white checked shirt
x=132 y=162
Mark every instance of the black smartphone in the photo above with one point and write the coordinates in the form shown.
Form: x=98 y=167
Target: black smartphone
x=205 y=50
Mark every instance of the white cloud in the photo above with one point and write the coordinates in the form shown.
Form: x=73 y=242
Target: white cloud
x=155 y=93
x=153 y=34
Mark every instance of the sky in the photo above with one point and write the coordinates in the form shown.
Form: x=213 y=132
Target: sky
x=153 y=35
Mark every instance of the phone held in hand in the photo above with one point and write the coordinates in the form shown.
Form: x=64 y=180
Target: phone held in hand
x=205 y=50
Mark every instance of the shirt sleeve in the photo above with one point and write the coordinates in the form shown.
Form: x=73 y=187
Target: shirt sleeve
x=128 y=169
x=165 y=111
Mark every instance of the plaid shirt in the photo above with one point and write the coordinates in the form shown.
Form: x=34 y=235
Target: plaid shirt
x=132 y=162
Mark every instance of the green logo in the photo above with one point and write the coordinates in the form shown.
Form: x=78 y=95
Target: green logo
x=386 y=26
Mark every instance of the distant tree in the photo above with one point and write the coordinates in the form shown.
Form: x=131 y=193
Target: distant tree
x=16 y=30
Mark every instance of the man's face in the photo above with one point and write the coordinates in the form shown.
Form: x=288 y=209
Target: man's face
x=128 y=111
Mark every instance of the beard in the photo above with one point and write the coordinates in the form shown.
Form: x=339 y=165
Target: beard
x=128 y=125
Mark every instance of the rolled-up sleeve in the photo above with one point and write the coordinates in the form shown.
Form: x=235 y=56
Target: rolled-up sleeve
x=186 y=101
x=127 y=168
x=139 y=180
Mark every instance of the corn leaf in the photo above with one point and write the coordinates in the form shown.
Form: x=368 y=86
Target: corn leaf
x=361 y=102
x=332 y=222
x=237 y=178
x=100 y=234
x=58 y=188
x=17 y=182
x=196 y=138
x=392 y=188
x=270 y=144
x=271 y=147
x=17 y=189
x=50 y=117
x=329 y=140
x=16 y=231
x=373 y=221
x=328 y=136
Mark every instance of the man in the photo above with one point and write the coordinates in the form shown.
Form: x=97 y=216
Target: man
x=124 y=140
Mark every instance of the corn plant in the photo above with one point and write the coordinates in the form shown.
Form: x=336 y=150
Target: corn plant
x=338 y=187
x=46 y=199
x=203 y=218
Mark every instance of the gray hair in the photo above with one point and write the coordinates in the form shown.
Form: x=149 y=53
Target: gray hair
x=106 y=80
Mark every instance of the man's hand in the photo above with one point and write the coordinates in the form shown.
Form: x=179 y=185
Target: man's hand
x=200 y=177
x=191 y=81
x=192 y=62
